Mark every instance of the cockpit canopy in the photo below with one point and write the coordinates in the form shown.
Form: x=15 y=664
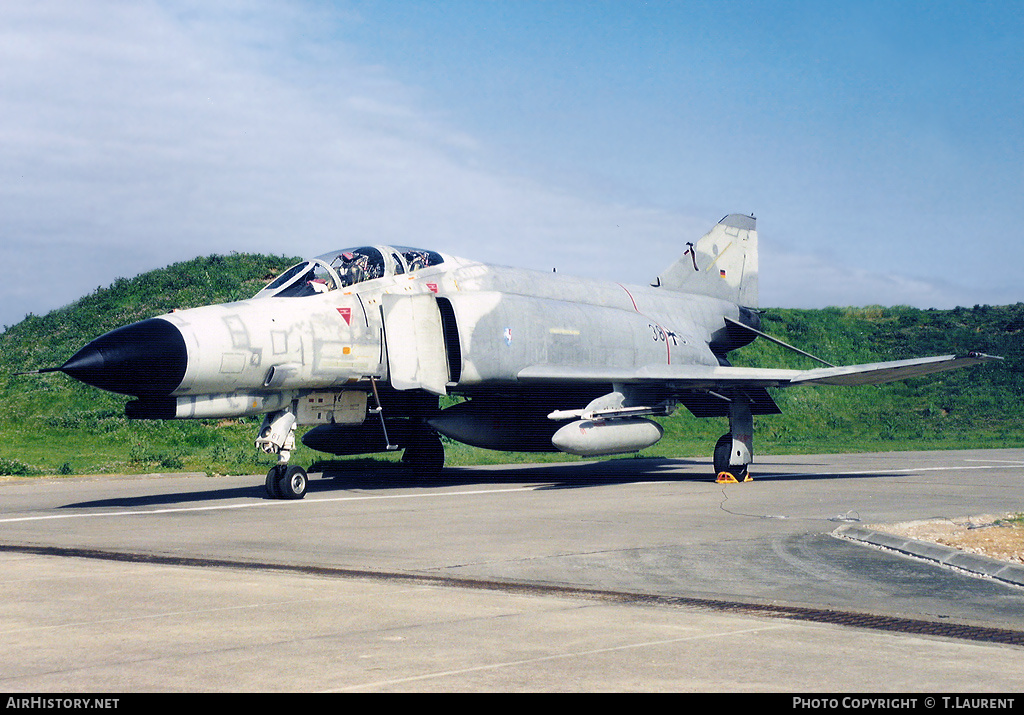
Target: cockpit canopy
x=344 y=268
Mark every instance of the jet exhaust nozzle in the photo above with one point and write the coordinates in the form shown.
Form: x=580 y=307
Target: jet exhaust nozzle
x=145 y=359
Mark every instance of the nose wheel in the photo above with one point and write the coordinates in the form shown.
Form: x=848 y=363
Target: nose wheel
x=277 y=436
x=287 y=482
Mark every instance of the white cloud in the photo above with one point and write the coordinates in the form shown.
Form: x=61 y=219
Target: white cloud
x=134 y=136
x=795 y=280
x=137 y=134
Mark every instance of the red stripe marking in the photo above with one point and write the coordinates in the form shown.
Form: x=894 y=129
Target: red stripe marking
x=630 y=296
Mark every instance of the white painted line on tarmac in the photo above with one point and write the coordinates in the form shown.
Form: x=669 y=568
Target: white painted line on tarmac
x=904 y=470
x=1005 y=464
x=1003 y=461
x=556 y=656
x=265 y=503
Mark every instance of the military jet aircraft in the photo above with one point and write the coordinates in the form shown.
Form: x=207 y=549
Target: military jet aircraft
x=362 y=342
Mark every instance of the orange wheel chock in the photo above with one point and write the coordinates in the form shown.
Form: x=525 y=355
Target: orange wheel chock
x=728 y=478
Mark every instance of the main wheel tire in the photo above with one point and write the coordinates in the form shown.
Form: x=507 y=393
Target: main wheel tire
x=425 y=455
x=294 y=482
x=723 y=450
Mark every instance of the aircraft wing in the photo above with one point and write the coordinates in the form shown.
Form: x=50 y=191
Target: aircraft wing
x=716 y=377
x=880 y=372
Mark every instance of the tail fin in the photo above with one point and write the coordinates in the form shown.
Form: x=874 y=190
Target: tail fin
x=722 y=264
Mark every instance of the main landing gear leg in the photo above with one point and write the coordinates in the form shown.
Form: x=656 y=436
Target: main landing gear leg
x=735 y=451
x=277 y=436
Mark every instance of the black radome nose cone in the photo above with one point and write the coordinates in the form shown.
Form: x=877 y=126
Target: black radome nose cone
x=146 y=359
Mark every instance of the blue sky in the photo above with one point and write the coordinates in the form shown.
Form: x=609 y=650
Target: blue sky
x=880 y=144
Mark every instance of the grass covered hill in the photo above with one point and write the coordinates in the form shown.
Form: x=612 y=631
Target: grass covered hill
x=50 y=424
x=53 y=424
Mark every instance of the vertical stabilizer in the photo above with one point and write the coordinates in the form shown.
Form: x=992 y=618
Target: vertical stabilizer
x=722 y=264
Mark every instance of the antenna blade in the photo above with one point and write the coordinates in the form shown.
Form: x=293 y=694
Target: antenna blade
x=769 y=338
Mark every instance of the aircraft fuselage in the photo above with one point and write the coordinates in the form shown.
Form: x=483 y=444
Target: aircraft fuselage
x=256 y=355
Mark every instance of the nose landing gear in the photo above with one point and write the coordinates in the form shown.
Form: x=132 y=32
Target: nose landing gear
x=277 y=436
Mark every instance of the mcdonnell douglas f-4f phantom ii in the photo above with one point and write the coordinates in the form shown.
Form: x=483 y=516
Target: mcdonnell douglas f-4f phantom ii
x=362 y=342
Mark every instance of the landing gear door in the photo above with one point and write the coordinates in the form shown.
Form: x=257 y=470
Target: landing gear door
x=414 y=339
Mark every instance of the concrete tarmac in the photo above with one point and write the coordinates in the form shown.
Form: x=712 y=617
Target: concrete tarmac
x=623 y=575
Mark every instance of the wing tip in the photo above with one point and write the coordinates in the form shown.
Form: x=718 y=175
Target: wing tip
x=975 y=355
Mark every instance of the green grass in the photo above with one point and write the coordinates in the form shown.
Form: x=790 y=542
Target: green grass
x=50 y=424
